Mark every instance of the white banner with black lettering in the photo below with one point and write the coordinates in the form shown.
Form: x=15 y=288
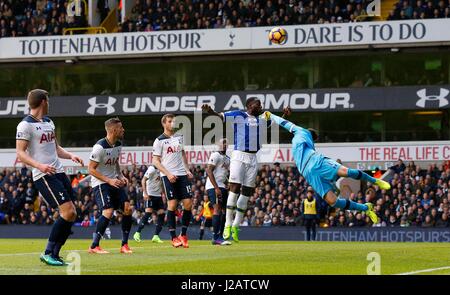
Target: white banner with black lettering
x=225 y=41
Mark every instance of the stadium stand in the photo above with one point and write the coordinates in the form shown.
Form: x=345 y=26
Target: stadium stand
x=23 y=18
x=420 y=10
x=158 y=15
x=420 y=198
x=49 y=17
x=170 y=15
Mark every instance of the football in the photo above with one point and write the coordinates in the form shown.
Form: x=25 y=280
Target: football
x=278 y=35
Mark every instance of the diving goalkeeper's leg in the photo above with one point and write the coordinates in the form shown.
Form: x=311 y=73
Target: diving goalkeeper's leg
x=361 y=175
x=345 y=204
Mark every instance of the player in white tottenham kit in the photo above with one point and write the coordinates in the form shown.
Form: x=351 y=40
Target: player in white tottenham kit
x=153 y=202
x=108 y=185
x=247 y=127
x=217 y=171
x=170 y=159
x=36 y=146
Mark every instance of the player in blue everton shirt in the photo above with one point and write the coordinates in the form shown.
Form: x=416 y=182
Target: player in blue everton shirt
x=247 y=133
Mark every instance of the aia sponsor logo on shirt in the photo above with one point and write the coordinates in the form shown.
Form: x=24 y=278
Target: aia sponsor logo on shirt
x=47 y=137
x=173 y=149
x=112 y=161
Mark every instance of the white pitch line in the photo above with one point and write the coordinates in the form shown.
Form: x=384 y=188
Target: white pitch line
x=19 y=254
x=37 y=253
x=423 y=270
x=110 y=249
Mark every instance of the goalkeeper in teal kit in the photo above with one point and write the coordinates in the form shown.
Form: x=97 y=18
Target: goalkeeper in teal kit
x=321 y=172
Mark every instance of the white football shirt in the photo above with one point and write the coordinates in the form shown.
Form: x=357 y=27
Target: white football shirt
x=41 y=143
x=153 y=183
x=170 y=149
x=222 y=166
x=107 y=157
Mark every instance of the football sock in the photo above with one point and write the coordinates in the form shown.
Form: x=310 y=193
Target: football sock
x=222 y=222
x=102 y=224
x=144 y=221
x=185 y=220
x=65 y=233
x=171 y=221
x=127 y=222
x=241 y=207
x=349 y=205
x=231 y=208
x=360 y=175
x=216 y=226
x=56 y=234
x=160 y=223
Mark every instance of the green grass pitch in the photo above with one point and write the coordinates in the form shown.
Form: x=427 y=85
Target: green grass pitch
x=21 y=256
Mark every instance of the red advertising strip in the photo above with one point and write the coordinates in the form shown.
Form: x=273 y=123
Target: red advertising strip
x=348 y=153
x=408 y=153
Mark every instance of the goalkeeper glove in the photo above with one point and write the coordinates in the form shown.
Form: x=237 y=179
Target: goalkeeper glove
x=266 y=115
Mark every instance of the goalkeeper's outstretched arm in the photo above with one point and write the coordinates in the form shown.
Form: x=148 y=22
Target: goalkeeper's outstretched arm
x=289 y=126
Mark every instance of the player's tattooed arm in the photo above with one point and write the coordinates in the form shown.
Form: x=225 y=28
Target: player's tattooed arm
x=24 y=157
x=186 y=166
x=208 y=109
x=63 y=154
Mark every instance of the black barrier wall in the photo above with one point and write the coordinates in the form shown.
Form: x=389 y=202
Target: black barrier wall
x=263 y=234
x=309 y=100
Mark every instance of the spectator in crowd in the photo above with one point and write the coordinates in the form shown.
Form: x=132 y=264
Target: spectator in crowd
x=359 y=220
x=418 y=9
x=404 y=222
x=398 y=167
x=4 y=208
x=86 y=222
x=428 y=222
x=443 y=221
x=103 y=9
x=76 y=180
